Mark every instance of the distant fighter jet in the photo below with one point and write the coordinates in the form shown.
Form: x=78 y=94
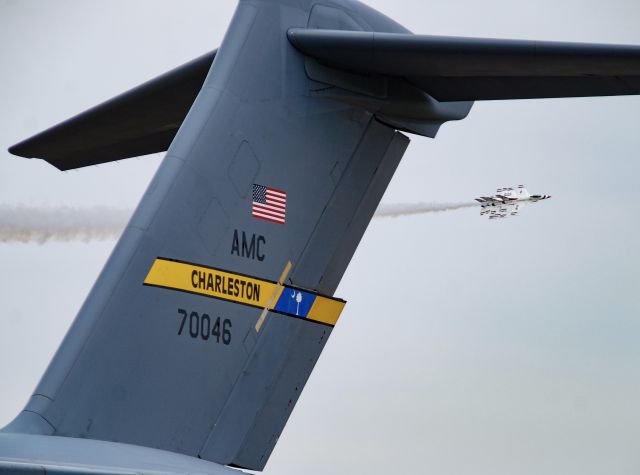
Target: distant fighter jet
x=507 y=202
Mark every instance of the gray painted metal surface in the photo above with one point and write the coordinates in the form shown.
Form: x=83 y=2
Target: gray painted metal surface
x=470 y=69
x=208 y=318
x=138 y=122
x=20 y=453
x=123 y=373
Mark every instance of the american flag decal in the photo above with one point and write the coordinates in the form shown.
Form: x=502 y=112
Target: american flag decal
x=269 y=204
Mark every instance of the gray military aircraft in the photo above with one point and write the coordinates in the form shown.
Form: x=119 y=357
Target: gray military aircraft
x=198 y=337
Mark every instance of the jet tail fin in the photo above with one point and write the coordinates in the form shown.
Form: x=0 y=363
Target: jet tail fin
x=522 y=192
x=208 y=318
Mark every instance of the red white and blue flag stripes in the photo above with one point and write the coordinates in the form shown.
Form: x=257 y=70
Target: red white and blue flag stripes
x=269 y=204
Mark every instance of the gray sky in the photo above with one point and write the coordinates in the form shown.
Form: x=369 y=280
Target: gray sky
x=467 y=346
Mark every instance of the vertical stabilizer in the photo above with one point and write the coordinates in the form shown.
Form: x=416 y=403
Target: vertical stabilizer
x=523 y=193
x=209 y=316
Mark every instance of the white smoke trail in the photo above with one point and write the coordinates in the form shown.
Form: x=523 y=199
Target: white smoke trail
x=397 y=210
x=31 y=224
x=28 y=224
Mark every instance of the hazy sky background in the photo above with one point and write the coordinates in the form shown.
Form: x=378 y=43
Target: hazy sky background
x=467 y=346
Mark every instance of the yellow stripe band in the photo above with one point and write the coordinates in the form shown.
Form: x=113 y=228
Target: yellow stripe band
x=243 y=289
x=210 y=282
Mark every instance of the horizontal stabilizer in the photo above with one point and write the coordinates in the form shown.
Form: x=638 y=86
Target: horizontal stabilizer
x=138 y=122
x=469 y=69
x=26 y=454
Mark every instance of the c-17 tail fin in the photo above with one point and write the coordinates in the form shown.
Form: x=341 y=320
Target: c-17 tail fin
x=209 y=316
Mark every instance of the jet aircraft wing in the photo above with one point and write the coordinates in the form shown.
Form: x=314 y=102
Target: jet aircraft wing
x=138 y=122
x=470 y=69
x=504 y=210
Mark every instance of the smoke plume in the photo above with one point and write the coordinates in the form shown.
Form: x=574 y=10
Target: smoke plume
x=42 y=224
x=30 y=224
x=397 y=210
